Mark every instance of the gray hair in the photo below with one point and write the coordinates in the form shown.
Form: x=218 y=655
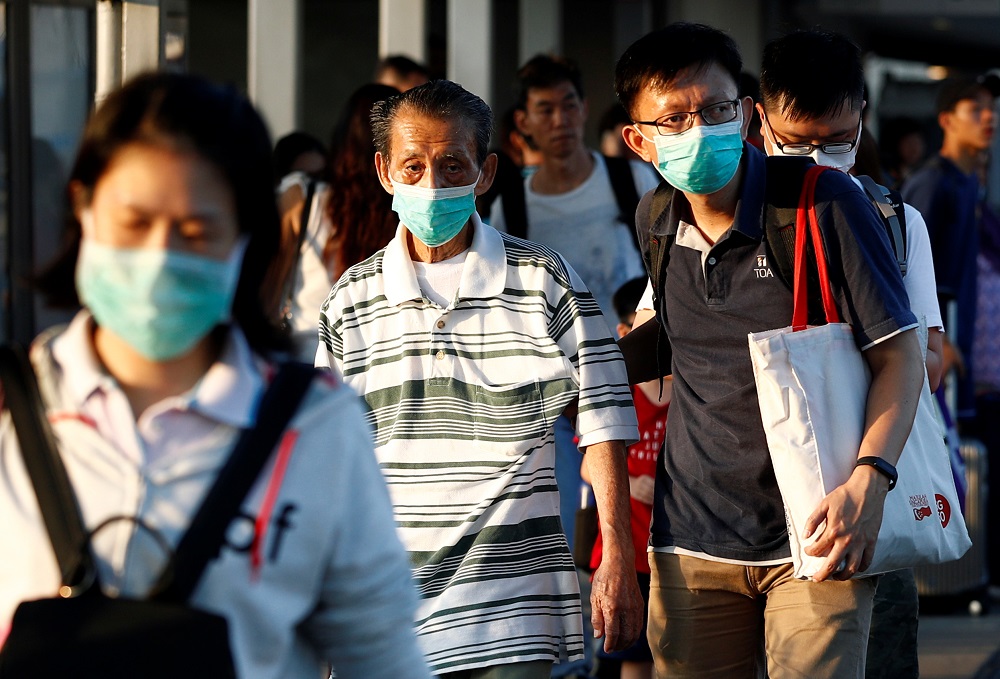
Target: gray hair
x=442 y=99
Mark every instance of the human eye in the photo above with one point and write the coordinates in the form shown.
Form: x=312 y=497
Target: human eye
x=673 y=122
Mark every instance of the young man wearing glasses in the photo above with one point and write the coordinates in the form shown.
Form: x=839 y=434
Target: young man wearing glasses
x=722 y=597
x=812 y=90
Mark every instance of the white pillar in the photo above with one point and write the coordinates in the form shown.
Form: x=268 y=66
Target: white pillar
x=470 y=46
x=128 y=42
x=402 y=29
x=540 y=28
x=109 y=49
x=273 y=59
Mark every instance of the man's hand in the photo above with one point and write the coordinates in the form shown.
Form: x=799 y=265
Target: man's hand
x=951 y=358
x=617 y=612
x=616 y=604
x=851 y=514
x=850 y=518
x=641 y=488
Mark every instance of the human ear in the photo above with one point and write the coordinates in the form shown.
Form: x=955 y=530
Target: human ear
x=746 y=104
x=382 y=168
x=637 y=143
x=489 y=171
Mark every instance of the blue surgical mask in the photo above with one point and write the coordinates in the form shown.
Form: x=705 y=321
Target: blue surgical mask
x=433 y=216
x=160 y=302
x=701 y=159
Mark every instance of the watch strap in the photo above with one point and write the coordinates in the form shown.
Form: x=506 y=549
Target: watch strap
x=882 y=467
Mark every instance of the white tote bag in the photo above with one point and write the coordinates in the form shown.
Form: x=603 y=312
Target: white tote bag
x=812 y=385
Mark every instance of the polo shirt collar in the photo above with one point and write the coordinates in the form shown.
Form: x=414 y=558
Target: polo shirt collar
x=227 y=393
x=484 y=274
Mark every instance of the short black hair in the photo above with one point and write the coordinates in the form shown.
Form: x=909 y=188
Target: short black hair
x=400 y=64
x=655 y=59
x=543 y=71
x=289 y=148
x=615 y=115
x=627 y=297
x=442 y=99
x=957 y=89
x=811 y=74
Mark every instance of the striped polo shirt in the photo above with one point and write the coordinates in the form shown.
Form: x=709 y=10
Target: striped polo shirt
x=462 y=404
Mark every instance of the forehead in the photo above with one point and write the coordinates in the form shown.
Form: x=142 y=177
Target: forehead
x=552 y=94
x=420 y=134
x=982 y=99
x=693 y=88
x=838 y=123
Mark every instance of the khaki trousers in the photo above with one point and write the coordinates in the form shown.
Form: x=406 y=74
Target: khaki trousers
x=715 y=620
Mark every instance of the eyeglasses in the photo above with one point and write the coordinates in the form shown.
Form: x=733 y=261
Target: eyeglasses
x=681 y=121
x=803 y=149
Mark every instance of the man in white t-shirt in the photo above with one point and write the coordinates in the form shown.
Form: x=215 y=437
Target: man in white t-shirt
x=570 y=202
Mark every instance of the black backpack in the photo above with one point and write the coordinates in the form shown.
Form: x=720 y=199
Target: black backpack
x=515 y=210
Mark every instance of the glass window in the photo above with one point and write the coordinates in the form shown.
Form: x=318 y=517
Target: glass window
x=61 y=96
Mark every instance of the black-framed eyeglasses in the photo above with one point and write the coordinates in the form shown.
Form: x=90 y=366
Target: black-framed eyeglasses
x=680 y=121
x=803 y=149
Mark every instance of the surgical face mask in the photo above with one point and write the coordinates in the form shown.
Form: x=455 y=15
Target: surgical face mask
x=434 y=216
x=159 y=302
x=701 y=159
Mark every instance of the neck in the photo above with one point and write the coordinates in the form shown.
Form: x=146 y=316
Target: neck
x=965 y=157
x=145 y=381
x=563 y=174
x=713 y=213
x=419 y=252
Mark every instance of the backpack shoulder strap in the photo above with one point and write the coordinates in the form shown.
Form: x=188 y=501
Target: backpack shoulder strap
x=56 y=499
x=890 y=207
x=515 y=209
x=626 y=195
x=204 y=537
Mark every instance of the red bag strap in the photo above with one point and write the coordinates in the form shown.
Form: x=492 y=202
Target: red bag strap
x=807 y=226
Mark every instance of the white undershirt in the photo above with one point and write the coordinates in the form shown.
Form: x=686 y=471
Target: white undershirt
x=439 y=281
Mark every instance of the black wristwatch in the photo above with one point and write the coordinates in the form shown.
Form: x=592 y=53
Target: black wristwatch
x=883 y=468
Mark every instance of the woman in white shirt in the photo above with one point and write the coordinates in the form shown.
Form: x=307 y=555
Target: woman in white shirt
x=150 y=385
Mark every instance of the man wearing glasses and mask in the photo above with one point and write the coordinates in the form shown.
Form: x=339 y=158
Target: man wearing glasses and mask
x=812 y=86
x=723 y=602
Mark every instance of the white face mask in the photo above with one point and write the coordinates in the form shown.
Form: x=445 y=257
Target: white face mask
x=838 y=161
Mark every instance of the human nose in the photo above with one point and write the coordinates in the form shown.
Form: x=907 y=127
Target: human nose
x=431 y=179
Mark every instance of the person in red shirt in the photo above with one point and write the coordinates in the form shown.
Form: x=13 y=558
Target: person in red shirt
x=651 y=404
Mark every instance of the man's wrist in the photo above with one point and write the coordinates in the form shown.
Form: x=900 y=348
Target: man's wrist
x=882 y=466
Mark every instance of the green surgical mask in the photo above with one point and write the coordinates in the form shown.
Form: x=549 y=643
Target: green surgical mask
x=434 y=216
x=702 y=159
x=160 y=302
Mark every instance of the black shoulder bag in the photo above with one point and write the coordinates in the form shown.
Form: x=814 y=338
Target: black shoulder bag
x=85 y=633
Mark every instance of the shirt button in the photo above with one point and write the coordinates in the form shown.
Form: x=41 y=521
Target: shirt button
x=711 y=260
x=439 y=355
x=440 y=324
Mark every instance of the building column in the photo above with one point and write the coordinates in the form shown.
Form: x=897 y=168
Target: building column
x=540 y=28
x=470 y=46
x=402 y=29
x=128 y=42
x=273 y=62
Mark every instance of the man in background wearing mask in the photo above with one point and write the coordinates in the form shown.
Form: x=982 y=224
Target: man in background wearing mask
x=812 y=87
x=722 y=595
x=467 y=344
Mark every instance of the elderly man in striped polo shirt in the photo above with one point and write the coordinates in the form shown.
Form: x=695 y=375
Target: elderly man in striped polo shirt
x=467 y=344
